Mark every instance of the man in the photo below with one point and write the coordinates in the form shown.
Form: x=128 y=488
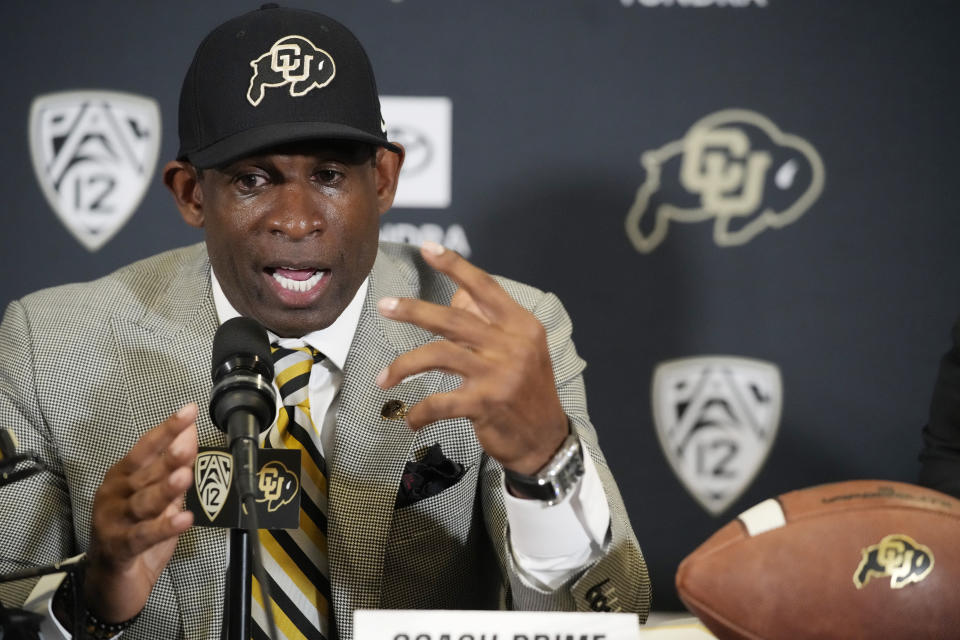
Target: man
x=285 y=166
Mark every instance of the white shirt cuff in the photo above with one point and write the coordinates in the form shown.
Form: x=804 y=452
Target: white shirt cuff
x=551 y=543
x=40 y=602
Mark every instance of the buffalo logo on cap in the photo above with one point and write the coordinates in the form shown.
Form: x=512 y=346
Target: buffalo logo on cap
x=292 y=60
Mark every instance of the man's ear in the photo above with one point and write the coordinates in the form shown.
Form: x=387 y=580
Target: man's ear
x=388 y=174
x=183 y=181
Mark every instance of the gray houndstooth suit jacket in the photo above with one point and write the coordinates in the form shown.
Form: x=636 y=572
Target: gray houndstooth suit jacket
x=87 y=369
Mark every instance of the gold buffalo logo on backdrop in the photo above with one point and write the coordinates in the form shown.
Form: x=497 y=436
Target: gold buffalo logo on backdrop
x=292 y=60
x=735 y=167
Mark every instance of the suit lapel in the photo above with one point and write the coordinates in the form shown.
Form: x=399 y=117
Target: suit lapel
x=165 y=359
x=370 y=451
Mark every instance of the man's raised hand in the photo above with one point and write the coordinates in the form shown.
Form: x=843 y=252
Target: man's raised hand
x=138 y=516
x=499 y=349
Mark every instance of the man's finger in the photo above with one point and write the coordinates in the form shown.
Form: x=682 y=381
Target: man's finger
x=154 y=442
x=489 y=296
x=458 y=403
x=119 y=539
x=148 y=533
x=152 y=500
x=458 y=325
x=442 y=355
x=182 y=451
x=463 y=300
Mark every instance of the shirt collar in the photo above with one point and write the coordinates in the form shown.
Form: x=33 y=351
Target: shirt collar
x=333 y=342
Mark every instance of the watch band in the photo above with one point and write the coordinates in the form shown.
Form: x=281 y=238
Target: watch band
x=556 y=479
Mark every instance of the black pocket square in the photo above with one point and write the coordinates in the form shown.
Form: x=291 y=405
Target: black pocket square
x=427 y=477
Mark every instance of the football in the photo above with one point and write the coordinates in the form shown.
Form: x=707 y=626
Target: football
x=857 y=559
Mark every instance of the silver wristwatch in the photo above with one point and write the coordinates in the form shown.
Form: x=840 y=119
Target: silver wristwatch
x=556 y=479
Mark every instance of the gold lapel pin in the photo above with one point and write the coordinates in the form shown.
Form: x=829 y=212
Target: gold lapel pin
x=393 y=410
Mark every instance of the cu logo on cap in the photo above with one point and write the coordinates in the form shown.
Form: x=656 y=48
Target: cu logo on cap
x=294 y=61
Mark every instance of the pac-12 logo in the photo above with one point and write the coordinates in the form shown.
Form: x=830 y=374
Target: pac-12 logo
x=734 y=167
x=94 y=153
x=212 y=477
x=292 y=60
x=716 y=419
x=898 y=557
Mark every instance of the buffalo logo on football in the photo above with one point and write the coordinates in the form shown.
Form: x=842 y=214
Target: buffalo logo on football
x=735 y=167
x=212 y=478
x=94 y=153
x=294 y=61
x=898 y=556
x=716 y=418
x=278 y=485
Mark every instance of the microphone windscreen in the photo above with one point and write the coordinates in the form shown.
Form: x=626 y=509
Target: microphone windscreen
x=243 y=337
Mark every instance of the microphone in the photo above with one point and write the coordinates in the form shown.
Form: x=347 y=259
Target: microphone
x=242 y=403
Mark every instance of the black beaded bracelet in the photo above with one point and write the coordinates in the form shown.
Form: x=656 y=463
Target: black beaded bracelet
x=93 y=628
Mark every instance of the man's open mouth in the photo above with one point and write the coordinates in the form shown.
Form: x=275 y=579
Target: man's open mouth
x=297 y=279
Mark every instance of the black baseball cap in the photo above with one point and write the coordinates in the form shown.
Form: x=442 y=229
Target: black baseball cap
x=273 y=76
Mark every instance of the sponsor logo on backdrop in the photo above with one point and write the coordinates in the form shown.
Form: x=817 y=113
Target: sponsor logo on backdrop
x=424 y=126
x=294 y=61
x=418 y=148
x=716 y=418
x=735 y=168
x=94 y=153
x=695 y=4
x=453 y=237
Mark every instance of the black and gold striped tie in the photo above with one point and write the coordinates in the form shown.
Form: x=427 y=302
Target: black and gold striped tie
x=296 y=559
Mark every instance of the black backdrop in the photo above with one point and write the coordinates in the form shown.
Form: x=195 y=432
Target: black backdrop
x=553 y=103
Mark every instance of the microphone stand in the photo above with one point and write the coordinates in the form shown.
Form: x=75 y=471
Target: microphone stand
x=242 y=430
x=12 y=620
x=9 y=473
x=237 y=593
x=242 y=403
x=17 y=624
